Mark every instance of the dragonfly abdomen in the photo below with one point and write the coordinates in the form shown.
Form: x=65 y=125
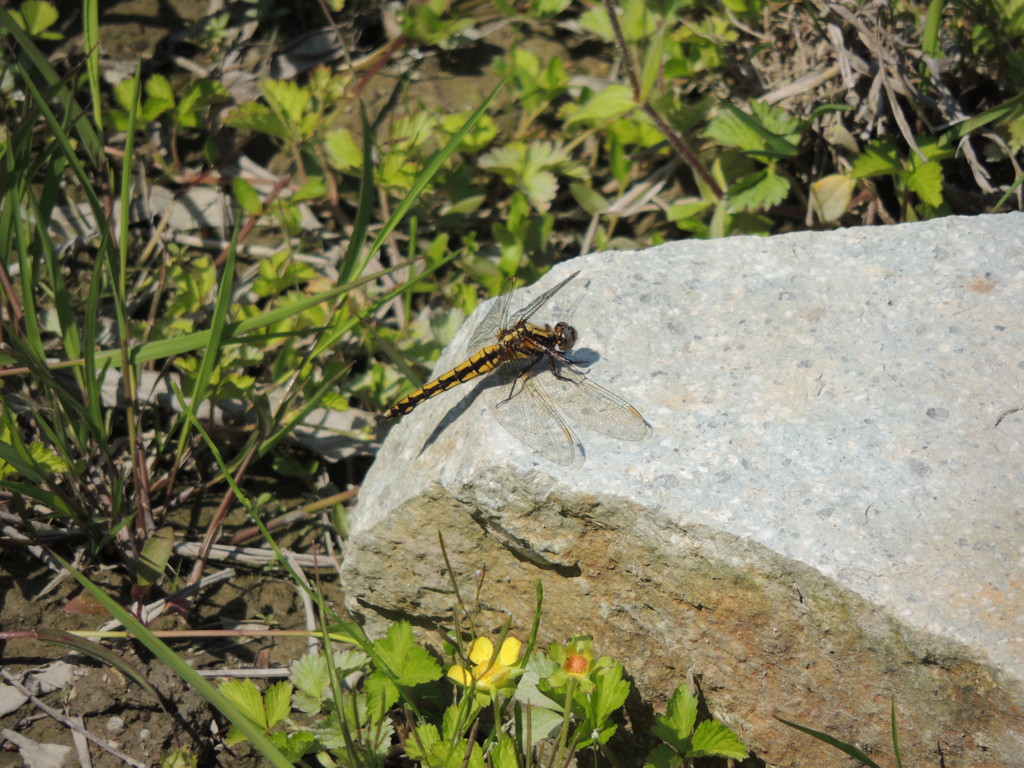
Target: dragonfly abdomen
x=482 y=362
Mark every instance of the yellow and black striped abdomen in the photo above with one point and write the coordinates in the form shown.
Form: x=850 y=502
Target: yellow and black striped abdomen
x=484 y=361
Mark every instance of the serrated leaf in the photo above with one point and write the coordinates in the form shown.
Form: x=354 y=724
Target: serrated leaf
x=277 y=702
x=410 y=664
x=45 y=458
x=831 y=196
x=200 y=95
x=289 y=98
x=712 y=739
x=245 y=696
x=381 y=694
x=662 y=756
x=123 y=93
x=758 y=190
x=421 y=742
x=159 y=87
x=343 y=153
x=879 y=159
x=676 y=725
x=540 y=187
x=756 y=133
x=37 y=16
x=253 y=116
x=926 y=180
x=775 y=120
x=613 y=101
x=309 y=673
x=609 y=694
x=504 y=754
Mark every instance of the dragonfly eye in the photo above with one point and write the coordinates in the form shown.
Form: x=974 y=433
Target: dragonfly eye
x=566 y=335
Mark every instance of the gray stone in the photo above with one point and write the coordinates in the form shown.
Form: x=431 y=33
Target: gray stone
x=827 y=516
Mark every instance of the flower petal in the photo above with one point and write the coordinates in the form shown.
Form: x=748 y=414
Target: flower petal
x=481 y=651
x=460 y=675
x=509 y=653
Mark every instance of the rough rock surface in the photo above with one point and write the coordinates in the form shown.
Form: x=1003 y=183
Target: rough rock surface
x=829 y=514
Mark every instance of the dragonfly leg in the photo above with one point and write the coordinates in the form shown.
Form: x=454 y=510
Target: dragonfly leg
x=552 y=357
x=520 y=380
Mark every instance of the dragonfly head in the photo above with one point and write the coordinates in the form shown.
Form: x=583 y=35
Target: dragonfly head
x=565 y=336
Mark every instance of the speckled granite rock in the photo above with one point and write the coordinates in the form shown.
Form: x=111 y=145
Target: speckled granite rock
x=828 y=514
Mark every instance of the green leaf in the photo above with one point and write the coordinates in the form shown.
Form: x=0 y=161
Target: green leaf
x=421 y=742
x=541 y=188
x=410 y=664
x=343 y=152
x=768 y=132
x=200 y=95
x=159 y=87
x=313 y=189
x=277 y=702
x=381 y=694
x=309 y=674
x=504 y=754
x=596 y=21
x=287 y=98
x=879 y=159
x=758 y=190
x=123 y=93
x=831 y=196
x=156 y=553
x=926 y=180
x=253 y=116
x=247 y=196
x=588 y=198
x=653 y=57
x=610 y=694
x=676 y=725
x=244 y=695
x=712 y=739
x=37 y=16
x=663 y=756
x=613 y=101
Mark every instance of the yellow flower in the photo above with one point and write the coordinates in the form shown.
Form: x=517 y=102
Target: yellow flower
x=489 y=673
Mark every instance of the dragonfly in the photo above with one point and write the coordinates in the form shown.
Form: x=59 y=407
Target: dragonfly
x=537 y=384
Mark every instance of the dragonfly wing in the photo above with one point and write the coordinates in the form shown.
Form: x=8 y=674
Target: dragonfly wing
x=486 y=333
x=523 y=409
x=590 y=405
x=540 y=301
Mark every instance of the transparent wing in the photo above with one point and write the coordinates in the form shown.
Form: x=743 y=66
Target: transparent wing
x=588 y=404
x=498 y=316
x=524 y=410
x=540 y=301
x=486 y=333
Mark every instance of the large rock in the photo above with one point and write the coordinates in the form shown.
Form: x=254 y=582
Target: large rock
x=828 y=515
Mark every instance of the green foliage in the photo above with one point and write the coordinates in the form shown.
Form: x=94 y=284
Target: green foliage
x=36 y=17
x=708 y=739
x=429 y=23
x=573 y=697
